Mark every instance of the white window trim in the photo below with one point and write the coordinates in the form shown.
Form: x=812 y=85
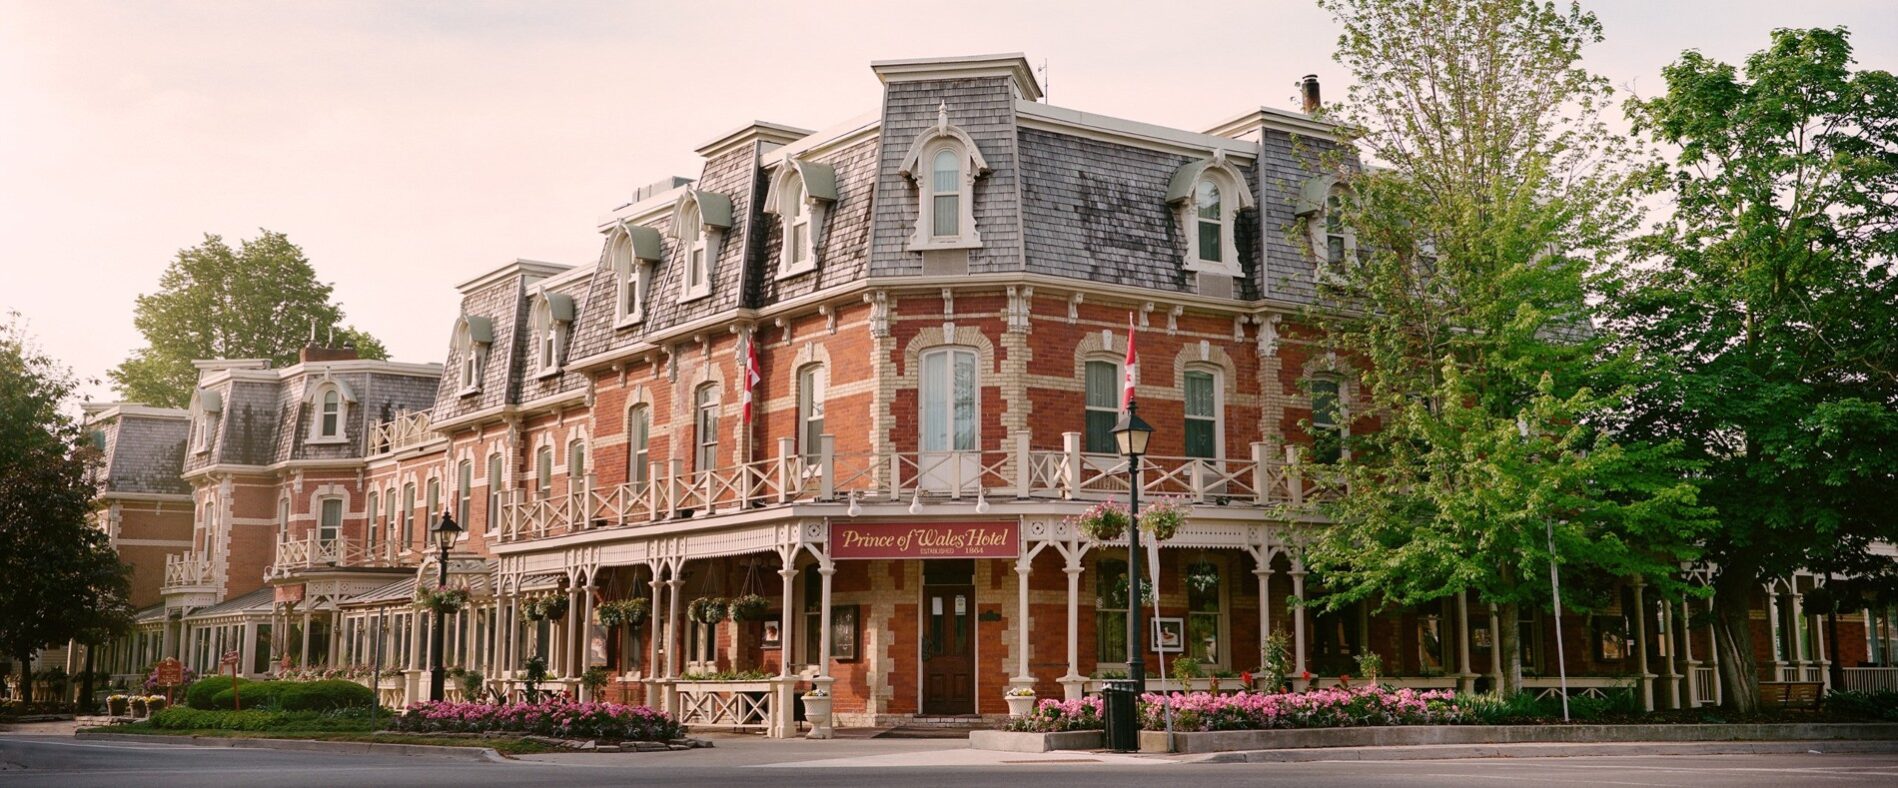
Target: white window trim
x=1328 y=271
x=631 y=276
x=1102 y=357
x=1219 y=405
x=707 y=240
x=918 y=166
x=342 y=515
x=472 y=356
x=808 y=402
x=922 y=398
x=497 y=488
x=344 y=398
x=699 y=442
x=1234 y=196
x=813 y=212
x=548 y=361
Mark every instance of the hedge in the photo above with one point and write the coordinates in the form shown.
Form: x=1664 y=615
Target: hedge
x=177 y=718
x=215 y=694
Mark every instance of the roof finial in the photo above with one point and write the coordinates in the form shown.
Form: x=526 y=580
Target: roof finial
x=942 y=115
x=312 y=330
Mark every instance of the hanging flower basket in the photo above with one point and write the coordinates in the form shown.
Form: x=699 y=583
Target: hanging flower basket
x=1102 y=522
x=708 y=609
x=1202 y=576
x=442 y=601
x=627 y=612
x=750 y=607
x=1163 y=518
x=547 y=607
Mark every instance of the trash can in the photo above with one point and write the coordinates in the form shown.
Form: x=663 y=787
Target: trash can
x=1123 y=721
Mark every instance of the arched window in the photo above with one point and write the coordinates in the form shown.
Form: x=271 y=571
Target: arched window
x=1327 y=423
x=329 y=522
x=944 y=162
x=472 y=337
x=330 y=414
x=945 y=195
x=1337 y=241
x=283 y=519
x=705 y=427
x=464 y=492
x=371 y=512
x=544 y=472
x=949 y=401
x=630 y=249
x=692 y=240
x=1208 y=195
x=576 y=464
x=1101 y=406
x=1210 y=219
x=638 y=436
x=408 y=516
x=328 y=401
x=1203 y=429
x=496 y=486
x=812 y=380
x=797 y=224
x=434 y=508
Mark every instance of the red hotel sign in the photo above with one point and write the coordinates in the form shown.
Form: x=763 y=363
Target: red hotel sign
x=924 y=540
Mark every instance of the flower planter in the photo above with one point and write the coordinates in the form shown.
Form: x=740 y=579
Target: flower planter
x=1012 y=741
x=1020 y=705
x=817 y=713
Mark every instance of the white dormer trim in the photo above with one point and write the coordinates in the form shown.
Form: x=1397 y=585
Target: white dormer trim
x=802 y=219
x=470 y=358
x=318 y=398
x=700 y=230
x=919 y=167
x=1230 y=185
x=548 y=335
x=632 y=274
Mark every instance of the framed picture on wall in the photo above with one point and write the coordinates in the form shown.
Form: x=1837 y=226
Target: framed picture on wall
x=1169 y=635
x=843 y=632
x=772 y=637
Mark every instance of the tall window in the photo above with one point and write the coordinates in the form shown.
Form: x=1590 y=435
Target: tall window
x=813 y=614
x=949 y=390
x=639 y=435
x=470 y=354
x=812 y=380
x=576 y=465
x=464 y=491
x=369 y=513
x=628 y=273
x=495 y=488
x=544 y=472
x=945 y=194
x=330 y=520
x=549 y=346
x=1204 y=585
x=1102 y=407
x=1209 y=219
x=1326 y=427
x=283 y=518
x=1433 y=641
x=1336 y=239
x=1110 y=610
x=797 y=224
x=434 y=505
x=692 y=240
x=1202 y=414
x=329 y=414
x=408 y=515
x=705 y=427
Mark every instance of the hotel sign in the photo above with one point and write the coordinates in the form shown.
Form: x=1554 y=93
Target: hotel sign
x=853 y=540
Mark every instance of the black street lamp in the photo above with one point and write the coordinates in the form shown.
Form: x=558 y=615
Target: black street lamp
x=445 y=534
x=1132 y=434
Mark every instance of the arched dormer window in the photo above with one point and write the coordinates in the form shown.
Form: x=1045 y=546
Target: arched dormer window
x=631 y=251
x=206 y=408
x=473 y=336
x=801 y=195
x=1323 y=203
x=699 y=223
x=329 y=402
x=548 y=326
x=1208 y=195
x=944 y=162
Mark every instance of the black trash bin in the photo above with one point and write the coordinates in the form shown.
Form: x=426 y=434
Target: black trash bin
x=1123 y=721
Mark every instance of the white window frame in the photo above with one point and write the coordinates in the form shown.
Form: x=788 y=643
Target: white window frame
x=948 y=399
x=919 y=167
x=630 y=277
x=813 y=385
x=464 y=497
x=407 y=535
x=576 y=464
x=549 y=337
x=1342 y=414
x=1323 y=233
x=799 y=251
x=203 y=426
x=1087 y=407
x=1233 y=197
x=639 y=445
x=544 y=472
x=705 y=404
x=497 y=472
x=372 y=509
x=342 y=512
x=1219 y=408
x=695 y=252
x=319 y=403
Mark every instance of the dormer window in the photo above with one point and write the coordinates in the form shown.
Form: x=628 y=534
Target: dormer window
x=473 y=336
x=329 y=402
x=1208 y=195
x=551 y=319
x=699 y=223
x=630 y=252
x=801 y=193
x=207 y=407
x=1323 y=203
x=944 y=162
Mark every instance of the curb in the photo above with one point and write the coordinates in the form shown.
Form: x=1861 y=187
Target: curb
x=1461 y=751
x=477 y=754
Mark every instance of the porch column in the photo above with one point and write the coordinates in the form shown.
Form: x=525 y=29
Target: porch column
x=1264 y=574
x=1023 y=634
x=1074 y=685
x=585 y=627
x=1800 y=627
x=1641 y=646
x=1819 y=643
x=1668 y=655
x=1714 y=646
x=303 y=651
x=1466 y=680
x=1694 y=698
x=1298 y=625
x=655 y=640
x=824 y=572
x=789 y=573
x=1495 y=650
x=1772 y=632
x=672 y=623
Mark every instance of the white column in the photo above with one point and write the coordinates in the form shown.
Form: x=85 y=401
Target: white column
x=785 y=628
x=656 y=623
x=1641 y=646
x=1772 y=632
x=1694 y=697
x=1667 y=646
x=1298 y=627
x=823 y=618
x=1800 y=627
x=1466 y=681
x=1073 y=685
x=1819 y=644
x=303 y=651
x=672 y=624
x=1495 y=650
x=1023 y=639
x=1264 y=575
x=1713 y=644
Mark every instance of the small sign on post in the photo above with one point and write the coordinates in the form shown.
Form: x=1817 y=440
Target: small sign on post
x=171 y=673
x=231 y=658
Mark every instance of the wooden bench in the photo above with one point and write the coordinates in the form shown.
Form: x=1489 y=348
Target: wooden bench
x=1802 y=695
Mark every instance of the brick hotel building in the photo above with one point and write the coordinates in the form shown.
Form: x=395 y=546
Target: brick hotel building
x=937 y=295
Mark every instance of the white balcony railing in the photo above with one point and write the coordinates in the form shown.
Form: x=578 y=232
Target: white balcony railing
x=1700 y=685
x=1802 y=673
x=407 y=428
x=187 y=570
x=314 y=552
x=669 y=491
x=1871 y=678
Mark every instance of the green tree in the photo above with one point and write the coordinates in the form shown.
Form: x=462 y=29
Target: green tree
x=1488 y=449
x=259 y=300
x=63 y=579
x=1766 y=308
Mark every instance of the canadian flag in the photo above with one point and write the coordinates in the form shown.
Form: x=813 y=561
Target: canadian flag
x=1133 y=367
x=751 y=375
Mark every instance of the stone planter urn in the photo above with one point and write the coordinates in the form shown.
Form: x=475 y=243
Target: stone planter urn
x=1020 y=705
x=817 y=713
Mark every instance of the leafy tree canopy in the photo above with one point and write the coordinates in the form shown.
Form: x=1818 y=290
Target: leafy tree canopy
x=259 y=300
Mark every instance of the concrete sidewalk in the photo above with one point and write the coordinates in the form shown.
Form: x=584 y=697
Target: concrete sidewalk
x=1432 y=752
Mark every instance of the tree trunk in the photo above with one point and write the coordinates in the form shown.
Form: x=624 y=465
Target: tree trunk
x=85 y=683
x=1733 y=636
x=1836 y=669
x=1508 y=638
x=25 y=661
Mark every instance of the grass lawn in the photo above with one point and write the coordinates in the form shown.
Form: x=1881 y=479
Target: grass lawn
x=512 y=746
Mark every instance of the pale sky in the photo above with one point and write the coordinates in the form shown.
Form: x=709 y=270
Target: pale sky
x=410 y=146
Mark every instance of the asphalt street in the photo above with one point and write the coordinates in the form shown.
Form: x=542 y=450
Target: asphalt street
x=62 y=762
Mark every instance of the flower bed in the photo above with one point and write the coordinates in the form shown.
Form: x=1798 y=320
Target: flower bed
x=1330 y=708
x=1055 y=716
x=564 y=719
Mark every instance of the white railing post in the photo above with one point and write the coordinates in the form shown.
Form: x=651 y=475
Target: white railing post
x=1294 y=483
x=1071 y=451
x=896 y=475
x=654 y=472
x=1024 y=469
x=675 y=468
x=787 y=454
x=827 y=467
x=1261 y=472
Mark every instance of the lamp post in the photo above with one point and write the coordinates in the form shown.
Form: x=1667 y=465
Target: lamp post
x=1131 y=434
x=445 y=533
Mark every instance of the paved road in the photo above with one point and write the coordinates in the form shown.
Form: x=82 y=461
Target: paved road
x=29 y=760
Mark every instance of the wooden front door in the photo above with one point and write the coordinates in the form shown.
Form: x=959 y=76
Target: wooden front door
x=948 y=647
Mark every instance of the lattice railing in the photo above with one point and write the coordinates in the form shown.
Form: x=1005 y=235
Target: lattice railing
x=725 y=704
x=407 y=428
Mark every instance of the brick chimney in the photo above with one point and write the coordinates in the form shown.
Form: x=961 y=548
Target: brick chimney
x=1308 y=89
x=314 y=352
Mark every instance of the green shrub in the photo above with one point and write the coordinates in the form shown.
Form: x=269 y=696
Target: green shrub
x=324 y=695
x=1864 y=704
x=251 y=694
x=262 y=720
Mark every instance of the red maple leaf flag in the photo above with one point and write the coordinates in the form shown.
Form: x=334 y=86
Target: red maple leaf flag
x=1132 y=365
x=751 y=375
